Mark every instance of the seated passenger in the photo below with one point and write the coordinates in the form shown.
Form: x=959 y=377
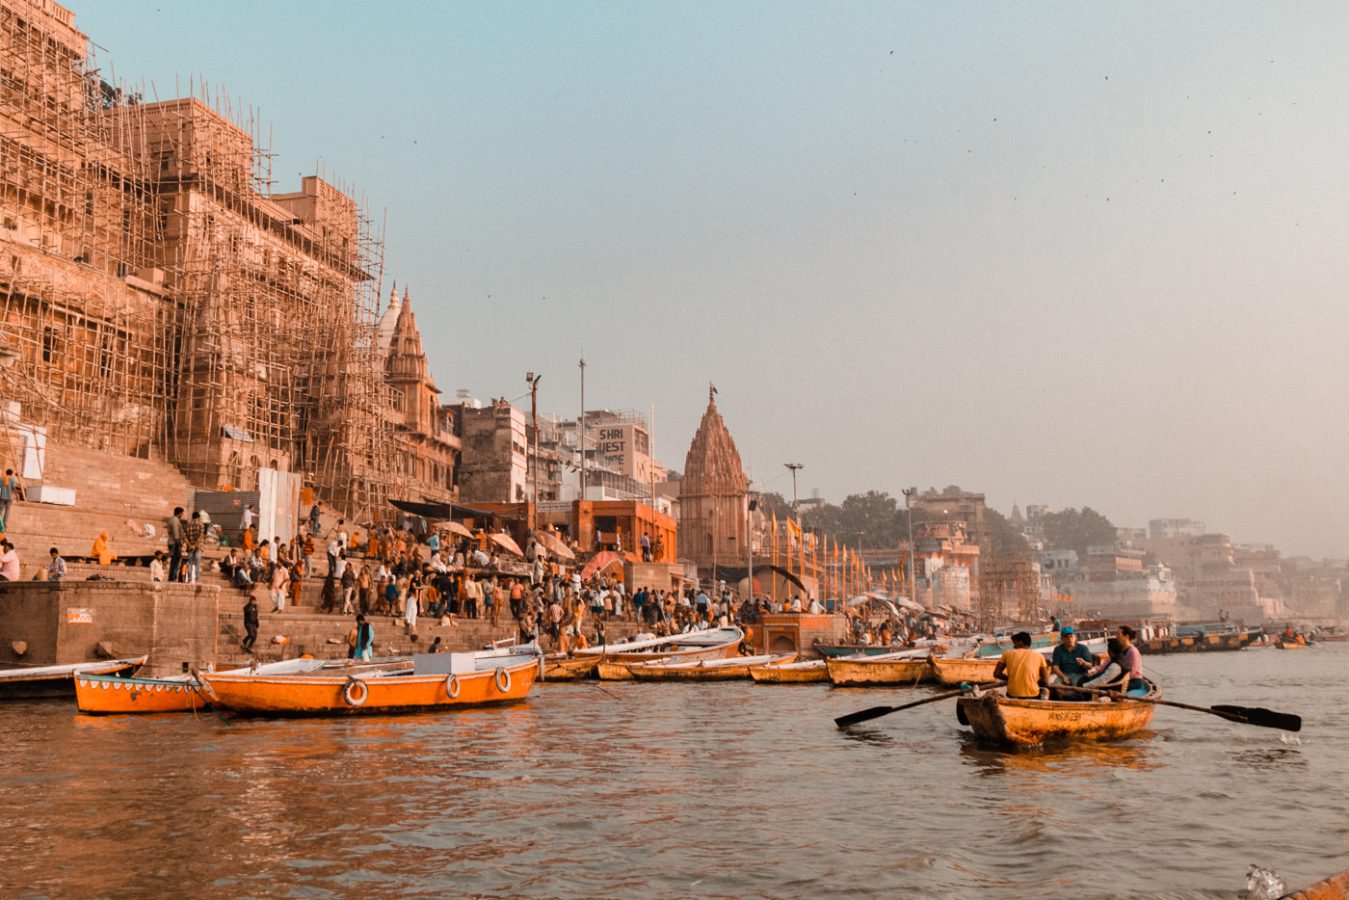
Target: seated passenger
x=1026 y=672
x=1071 y=660
x=1132 y=661
x=1110 y=674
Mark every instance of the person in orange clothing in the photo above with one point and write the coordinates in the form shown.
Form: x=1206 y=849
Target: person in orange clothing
x=102 y=550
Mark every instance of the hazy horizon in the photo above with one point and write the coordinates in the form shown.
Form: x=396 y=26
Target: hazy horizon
x=1080 y=255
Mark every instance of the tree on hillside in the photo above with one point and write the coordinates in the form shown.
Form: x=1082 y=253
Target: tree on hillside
x=1078 y=529
x=771 y=503
x=1004 y=537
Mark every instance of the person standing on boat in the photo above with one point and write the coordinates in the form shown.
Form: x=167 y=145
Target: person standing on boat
x=1071 y=661
x=361 y=640
x=1026 y=672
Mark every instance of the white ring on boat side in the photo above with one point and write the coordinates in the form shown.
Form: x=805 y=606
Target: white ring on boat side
x=452 y=685
x=349 y=693
x=503 y=676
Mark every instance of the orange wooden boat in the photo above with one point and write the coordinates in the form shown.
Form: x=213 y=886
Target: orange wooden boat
x=111 y=695
x=909 y=667
x=999 y=719
x=59 y=681
x=437 y=681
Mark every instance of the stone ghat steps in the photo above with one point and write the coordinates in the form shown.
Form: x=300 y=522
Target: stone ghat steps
x=311 y=632
x=142 y=489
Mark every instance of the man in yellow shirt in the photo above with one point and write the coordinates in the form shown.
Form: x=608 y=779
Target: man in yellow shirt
x=1025 y=670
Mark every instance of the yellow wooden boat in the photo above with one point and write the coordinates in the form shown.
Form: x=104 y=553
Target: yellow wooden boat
x=962 y=671
x=704 y=669
x=811 y=671
x=438 y=681
x=891 y=669
x=999 y=719
x=569 y=668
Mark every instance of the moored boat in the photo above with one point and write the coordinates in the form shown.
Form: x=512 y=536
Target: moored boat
x=436 y=681
x=998 y=719
x=59 y=681
x=959 y=671
x=811 y=671
x=565 y=667
x=704 y=669
x=907 y=667
x=979 y=670
x=713 y=643
x=113 y=695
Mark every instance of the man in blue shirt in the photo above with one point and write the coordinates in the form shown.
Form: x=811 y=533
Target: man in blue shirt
x=9 y=487
x=1071 y=660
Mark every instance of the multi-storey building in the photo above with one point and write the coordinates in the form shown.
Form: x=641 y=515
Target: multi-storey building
x=160 y=299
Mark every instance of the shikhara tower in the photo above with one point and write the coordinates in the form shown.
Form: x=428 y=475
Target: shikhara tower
x=713 y=496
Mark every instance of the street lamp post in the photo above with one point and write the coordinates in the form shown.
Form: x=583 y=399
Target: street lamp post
x=908 y=507
x=583 y=429
x=795 y=467
x=533 y=381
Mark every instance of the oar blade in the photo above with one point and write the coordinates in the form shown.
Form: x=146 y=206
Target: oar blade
x=863 y=715
x=1266 y=718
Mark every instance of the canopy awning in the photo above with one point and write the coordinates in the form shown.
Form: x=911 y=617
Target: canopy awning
x=554 y=544
x=505 y=542
x=448 y=510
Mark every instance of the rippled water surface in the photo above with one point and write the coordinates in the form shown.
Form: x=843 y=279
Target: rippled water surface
x=672 y=790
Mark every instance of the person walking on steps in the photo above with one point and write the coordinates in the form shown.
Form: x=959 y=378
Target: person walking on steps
x=250 y=623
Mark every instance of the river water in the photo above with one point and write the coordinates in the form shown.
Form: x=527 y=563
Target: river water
x=679 y=790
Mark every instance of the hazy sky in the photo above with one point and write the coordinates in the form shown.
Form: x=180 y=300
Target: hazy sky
x=1067 y=254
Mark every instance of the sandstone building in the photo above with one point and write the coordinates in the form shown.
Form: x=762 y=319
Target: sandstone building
x=159 y=299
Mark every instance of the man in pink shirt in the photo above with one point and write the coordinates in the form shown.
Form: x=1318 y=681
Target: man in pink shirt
x=1132 y=660
x=9 y=563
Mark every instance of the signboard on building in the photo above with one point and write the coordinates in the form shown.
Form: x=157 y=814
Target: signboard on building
x=79 y=615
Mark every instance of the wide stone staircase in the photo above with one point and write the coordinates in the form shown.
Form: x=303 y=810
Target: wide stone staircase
x=113 y=493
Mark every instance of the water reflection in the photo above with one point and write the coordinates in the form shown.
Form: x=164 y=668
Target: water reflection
x=1074 y=760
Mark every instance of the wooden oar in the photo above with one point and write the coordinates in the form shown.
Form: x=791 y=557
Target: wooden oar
x=876 y=712
x=1246 y=715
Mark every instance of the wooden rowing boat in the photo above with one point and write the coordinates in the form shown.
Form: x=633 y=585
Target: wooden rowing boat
x=714 y=643
x=59 y=681
x=564 y=667
x=999 y=719
x=704 y=669
x=111 y=695
x=907 y=667
x=1281 y=644
x=979 y=670
x=437 y=681
x=811 y=671
x=961 y=671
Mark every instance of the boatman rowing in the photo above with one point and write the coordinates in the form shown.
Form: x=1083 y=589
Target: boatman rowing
x=1026 y=671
